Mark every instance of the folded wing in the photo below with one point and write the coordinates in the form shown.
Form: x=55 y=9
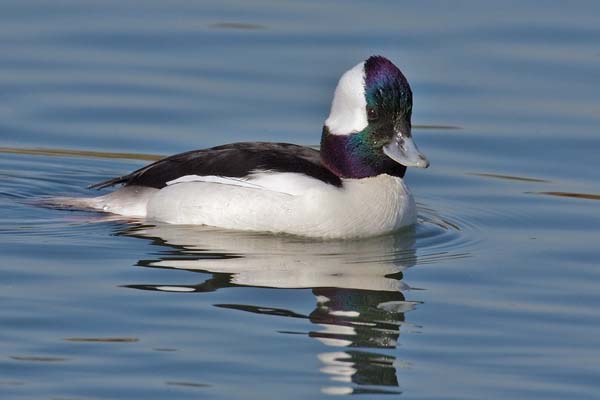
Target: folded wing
x=237 y=160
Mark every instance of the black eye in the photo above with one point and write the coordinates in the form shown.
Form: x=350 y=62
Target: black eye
x=372 y=114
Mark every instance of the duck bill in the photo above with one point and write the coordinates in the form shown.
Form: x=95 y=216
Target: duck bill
x=404 y=151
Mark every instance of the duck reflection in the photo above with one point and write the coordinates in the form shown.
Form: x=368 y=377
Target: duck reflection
x=358 y=289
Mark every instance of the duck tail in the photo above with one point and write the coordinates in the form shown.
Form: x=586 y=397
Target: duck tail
x=70 y=203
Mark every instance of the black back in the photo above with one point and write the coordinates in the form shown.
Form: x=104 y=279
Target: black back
x=235 y=160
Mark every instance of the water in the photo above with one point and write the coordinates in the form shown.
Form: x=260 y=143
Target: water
x=494 y=294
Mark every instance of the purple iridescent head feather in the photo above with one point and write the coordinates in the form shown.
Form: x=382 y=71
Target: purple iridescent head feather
x=385 y=84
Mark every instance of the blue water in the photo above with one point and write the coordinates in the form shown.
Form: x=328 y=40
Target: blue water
x=493 y=295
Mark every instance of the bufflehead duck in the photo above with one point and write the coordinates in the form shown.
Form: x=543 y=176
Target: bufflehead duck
x=353 y=187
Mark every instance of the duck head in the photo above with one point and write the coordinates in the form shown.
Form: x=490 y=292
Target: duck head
x=368 y=131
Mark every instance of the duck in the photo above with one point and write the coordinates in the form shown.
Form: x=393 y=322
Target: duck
x=352 y=187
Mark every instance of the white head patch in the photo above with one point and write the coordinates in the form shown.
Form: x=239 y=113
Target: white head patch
x=349 y=107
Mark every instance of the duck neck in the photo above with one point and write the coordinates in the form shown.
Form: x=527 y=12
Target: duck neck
x=352 y=156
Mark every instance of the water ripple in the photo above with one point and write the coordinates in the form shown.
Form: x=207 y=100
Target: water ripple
x=443 y=237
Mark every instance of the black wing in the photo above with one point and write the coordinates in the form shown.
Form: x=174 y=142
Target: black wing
x=235 y=160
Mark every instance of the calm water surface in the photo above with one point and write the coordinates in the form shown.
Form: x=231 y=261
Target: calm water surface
x=494 y=294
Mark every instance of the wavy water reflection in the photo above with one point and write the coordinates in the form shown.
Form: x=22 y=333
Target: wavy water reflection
x=254 y=259
x=358 y=286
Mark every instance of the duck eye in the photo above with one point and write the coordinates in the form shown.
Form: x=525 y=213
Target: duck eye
x=372 y=114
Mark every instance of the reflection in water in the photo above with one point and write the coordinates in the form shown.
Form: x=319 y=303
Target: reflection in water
x=587 y=196
x=359 y=318
x=187 y=384
x=79 y=153
x=238 y=25
x=39 y=358
x=508 y=177
x=357 y=286
x=102 y=340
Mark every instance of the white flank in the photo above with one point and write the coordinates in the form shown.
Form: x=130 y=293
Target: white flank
x=282 y=182
x=214 y=179
x=362 y=207
x=285 y=182
x=269 y=202
x=349 y=107
x=175 y=289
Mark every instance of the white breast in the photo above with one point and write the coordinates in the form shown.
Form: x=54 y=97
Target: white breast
x=362 y=207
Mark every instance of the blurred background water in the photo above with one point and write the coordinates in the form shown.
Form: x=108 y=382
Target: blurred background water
x=494 y=294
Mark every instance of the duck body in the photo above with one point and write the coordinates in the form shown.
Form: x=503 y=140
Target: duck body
x=319 y=211
x=352 y=187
